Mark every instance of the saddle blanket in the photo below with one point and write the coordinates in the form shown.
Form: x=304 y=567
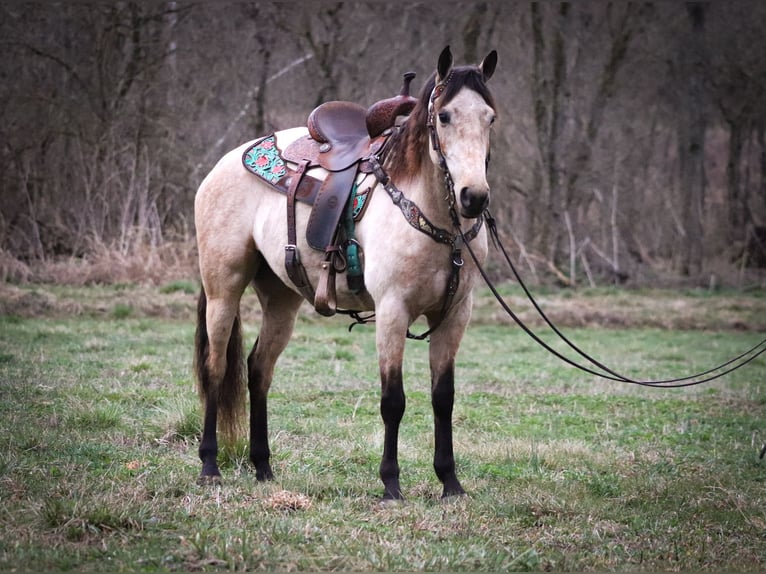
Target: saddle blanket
x=266 y=160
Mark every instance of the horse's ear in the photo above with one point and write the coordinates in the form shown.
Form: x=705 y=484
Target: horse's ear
x=488 y=65
x=445 y=64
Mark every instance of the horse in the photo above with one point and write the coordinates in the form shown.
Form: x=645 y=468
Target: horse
x=433 y=174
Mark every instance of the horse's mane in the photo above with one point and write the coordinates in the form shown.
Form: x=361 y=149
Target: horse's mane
x=408 y=150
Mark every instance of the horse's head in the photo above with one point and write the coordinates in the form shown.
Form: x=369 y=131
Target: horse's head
x=461 y=112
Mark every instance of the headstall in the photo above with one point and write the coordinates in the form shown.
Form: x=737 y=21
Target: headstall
x=415 y=217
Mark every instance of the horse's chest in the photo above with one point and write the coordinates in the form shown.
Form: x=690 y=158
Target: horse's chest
x=415 y=272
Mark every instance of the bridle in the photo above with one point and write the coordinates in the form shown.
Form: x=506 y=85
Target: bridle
x=431 y=124
x=417 y=219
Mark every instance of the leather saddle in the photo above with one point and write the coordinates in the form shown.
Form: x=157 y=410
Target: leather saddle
x=341 y=130
x=341 y=135
x=337 y=142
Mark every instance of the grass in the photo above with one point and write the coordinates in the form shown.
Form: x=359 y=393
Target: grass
x=99 y=427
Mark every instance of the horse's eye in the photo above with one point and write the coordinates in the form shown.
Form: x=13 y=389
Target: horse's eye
x=444 y=117
x=492 y=121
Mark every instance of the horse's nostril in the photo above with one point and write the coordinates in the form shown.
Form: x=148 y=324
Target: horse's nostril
x=467 y=199
x=473 y=203
x=464 y=197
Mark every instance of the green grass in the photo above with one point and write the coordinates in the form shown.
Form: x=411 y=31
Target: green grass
x=99 y=427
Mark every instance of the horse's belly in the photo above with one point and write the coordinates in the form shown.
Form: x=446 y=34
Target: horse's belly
x=270 y=235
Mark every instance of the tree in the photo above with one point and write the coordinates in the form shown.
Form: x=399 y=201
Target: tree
x=691 y=138
x=624 y=129
x=738 y=91
x=572 y=90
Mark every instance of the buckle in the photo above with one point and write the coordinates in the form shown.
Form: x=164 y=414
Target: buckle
x=292 y=248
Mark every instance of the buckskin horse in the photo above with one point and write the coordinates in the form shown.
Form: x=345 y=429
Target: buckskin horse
x=422 y=165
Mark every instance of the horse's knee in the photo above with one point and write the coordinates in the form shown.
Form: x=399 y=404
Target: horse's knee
x=443 y=394
x=392 y=407
x=392 y=399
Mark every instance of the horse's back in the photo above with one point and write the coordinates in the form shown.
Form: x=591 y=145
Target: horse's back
x=229 y=176
x=229 y=189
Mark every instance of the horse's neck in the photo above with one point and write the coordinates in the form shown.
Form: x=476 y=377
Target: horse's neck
x=428 y=191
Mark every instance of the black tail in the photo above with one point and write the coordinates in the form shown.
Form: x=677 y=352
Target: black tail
x=230 y=393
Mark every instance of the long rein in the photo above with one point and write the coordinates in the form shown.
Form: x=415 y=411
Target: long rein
x=605 y=373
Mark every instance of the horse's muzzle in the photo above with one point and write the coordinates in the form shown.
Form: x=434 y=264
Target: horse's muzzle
x=473 y=202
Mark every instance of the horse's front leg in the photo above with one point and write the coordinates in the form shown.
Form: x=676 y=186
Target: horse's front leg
x=445 y=341
x=391 y=331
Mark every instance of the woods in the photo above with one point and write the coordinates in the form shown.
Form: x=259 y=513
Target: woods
x=629 y=147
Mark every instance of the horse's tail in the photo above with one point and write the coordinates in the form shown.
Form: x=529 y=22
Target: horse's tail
x=229 y=394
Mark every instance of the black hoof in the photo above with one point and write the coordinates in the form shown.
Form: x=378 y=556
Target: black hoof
x=209 y=480
x=388 y=500
x=263 y=472
x=452 y=491
x=453 y=496
x=392 y=492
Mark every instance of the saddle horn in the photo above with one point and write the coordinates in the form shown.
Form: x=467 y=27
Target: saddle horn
x=382 y=114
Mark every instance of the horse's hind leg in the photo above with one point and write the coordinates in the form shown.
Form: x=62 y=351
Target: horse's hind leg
x=219 y=373
x=226 y=270
x=280 y=307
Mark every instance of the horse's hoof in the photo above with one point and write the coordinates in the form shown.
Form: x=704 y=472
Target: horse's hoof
x=391 y=494
x=209 y=480
x=390 y=501
x=453 y=494
x=264 y=474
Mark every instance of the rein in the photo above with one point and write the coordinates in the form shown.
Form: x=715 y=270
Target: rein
x=605 y=372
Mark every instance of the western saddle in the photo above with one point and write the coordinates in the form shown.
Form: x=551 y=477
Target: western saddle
x=342 y=135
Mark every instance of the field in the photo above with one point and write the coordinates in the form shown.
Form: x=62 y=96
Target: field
x=99 y=426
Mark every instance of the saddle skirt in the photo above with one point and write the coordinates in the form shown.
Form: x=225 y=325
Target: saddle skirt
x=277 y=167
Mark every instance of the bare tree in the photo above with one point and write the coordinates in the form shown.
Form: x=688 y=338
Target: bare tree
x=573 y=88
x=691 y=140
x=738 y=89
x=625 y=129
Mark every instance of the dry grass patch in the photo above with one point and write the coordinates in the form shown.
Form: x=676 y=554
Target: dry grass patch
x=286 y=500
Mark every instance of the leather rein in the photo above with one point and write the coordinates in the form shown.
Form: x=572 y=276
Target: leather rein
x=596 y=367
